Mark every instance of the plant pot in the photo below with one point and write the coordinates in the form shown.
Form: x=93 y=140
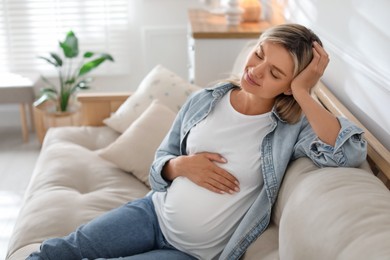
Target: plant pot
x=45 y=117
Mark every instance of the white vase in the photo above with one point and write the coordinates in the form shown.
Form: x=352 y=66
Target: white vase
x=233 y=13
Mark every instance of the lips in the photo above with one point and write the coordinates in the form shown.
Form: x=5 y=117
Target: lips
x=250 y=79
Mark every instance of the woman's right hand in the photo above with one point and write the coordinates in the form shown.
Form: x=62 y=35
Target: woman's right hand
x=202 y=169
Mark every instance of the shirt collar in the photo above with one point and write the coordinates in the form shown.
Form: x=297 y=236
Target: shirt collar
x=222 y=88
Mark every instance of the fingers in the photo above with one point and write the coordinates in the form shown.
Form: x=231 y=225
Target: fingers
x=218 y=187
x=220 y=179
x=320 y=57
x=215 y=178
x=224 y=181
x=225 y=177
x=215 y=157
x=307 y=78
x=320 y=49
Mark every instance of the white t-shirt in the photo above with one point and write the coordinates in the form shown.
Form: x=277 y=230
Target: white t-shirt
x=196 y=220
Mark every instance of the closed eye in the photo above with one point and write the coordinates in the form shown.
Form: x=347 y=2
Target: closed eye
x=259 y=52
x=274 y=75
x=259 y=55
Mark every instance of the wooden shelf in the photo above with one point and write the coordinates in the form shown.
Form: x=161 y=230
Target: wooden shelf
x=205 y=25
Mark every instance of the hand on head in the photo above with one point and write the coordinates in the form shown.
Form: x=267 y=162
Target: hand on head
x=309 y=77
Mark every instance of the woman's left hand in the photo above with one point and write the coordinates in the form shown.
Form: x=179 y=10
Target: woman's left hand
x=309 y=77
x=325 y=125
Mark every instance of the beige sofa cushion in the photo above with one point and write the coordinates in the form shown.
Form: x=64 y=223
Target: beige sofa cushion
x=161 y=84
x=91 y=138
x=70 y=186
x=134 y=150
x=336 y=213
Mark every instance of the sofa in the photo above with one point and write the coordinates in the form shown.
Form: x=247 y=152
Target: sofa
x=84 y=171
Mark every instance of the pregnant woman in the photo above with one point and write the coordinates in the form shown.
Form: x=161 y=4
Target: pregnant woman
x=218 y=171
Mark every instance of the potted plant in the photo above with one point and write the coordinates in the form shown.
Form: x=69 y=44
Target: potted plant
x=55 y=106
x=71 y=76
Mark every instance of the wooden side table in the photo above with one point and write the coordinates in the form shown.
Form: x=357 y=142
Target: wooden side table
x=19 y=89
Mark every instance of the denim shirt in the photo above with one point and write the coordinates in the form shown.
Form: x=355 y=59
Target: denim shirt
x=284 y=142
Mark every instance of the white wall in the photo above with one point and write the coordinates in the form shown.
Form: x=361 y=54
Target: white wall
x=158 y=33
x=356 y=35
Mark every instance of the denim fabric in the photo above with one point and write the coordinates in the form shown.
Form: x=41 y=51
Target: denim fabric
x=283 y=143
x=129 y=232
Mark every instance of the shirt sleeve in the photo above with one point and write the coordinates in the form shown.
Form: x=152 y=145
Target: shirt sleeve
x=350 y=149
x=168 y=149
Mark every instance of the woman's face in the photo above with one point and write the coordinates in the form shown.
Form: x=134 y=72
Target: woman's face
x=268 y=71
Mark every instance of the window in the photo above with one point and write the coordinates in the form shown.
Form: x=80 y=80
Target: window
x=32 y=28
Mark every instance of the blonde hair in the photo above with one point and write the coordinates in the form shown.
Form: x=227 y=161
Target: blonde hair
x=298 y=41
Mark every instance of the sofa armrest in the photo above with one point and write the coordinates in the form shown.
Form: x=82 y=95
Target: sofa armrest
x=378 y=156
x=95 y=107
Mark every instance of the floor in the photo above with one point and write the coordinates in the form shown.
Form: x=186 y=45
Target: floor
x=17 y=160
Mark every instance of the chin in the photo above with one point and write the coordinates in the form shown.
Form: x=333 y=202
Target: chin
x=248 y=87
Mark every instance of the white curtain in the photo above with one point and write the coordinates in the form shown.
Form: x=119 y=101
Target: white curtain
x=32 y=28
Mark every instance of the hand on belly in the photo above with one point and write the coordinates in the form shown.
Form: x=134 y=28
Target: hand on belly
x=204 y=170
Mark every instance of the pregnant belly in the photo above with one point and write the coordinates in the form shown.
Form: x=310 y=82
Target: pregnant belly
x=196 y=214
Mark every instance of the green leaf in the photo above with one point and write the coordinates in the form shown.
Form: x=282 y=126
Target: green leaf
x=70 y=46
x=70 y=81
x=48 y=91
x=87 y=67
x=88 y=54
x=57 y=59
x=45 y=97
x=53 y=62
x=107 y=56
x=64 y=100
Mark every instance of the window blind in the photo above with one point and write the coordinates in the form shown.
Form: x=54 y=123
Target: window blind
x=32 y=28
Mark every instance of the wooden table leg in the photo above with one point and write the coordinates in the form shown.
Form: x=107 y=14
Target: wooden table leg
x=30 y=109
x=23 y=119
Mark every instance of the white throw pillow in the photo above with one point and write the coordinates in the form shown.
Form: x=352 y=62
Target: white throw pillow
x=160 y=84
x=134 y=150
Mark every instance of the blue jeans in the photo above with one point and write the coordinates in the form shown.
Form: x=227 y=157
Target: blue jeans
x=130 y=232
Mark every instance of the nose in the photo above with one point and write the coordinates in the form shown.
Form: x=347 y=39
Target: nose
x=258 y=70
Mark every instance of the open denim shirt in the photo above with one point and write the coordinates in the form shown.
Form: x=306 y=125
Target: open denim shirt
x=283 y=143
